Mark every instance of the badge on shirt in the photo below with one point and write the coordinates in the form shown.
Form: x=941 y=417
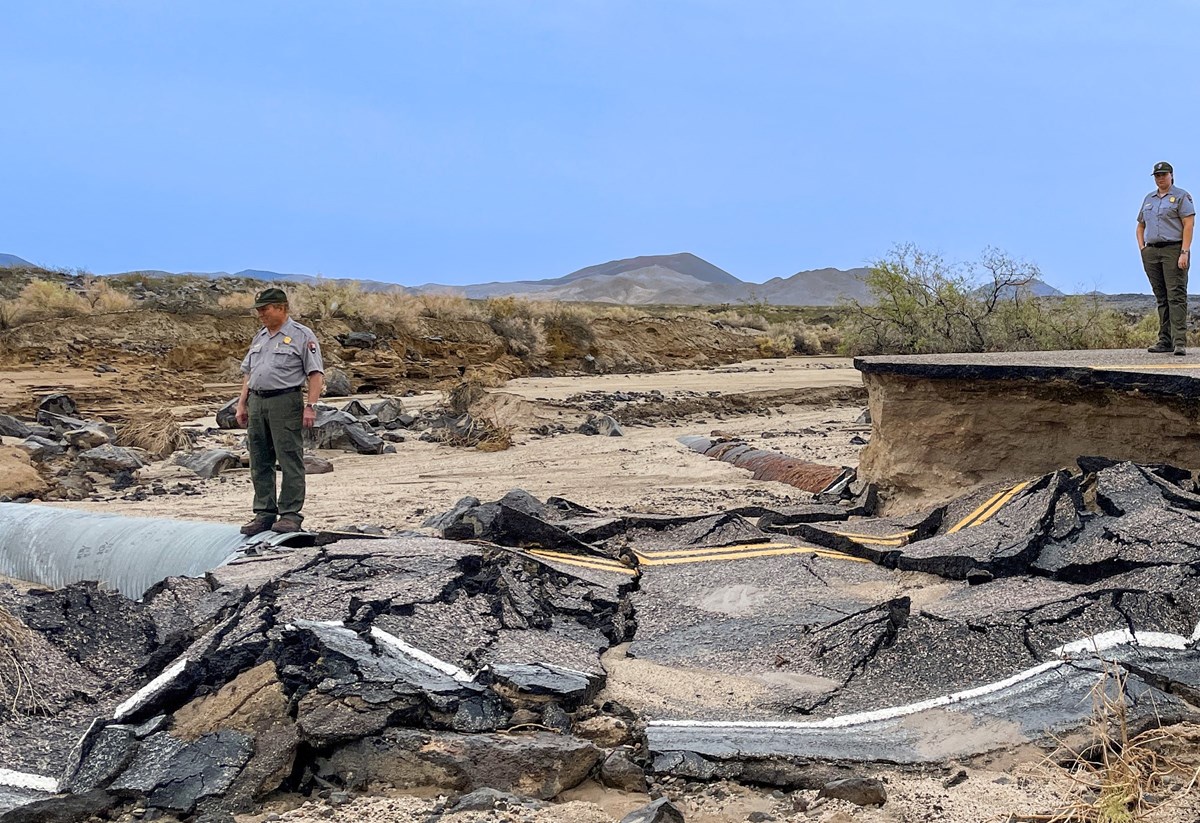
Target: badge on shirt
x=1172 y=200
x=289 y=340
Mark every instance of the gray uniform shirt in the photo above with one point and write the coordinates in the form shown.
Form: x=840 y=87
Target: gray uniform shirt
x=284 y=359
x=1163 y=215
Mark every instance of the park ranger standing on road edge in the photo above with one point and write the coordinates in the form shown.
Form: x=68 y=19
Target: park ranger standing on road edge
x=1164 y=234
x=282 y=355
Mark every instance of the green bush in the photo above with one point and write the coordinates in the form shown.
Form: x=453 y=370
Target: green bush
x=923 y=305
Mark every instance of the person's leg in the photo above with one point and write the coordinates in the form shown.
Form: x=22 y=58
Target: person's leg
x=1176 y=280
x=1152 y=262
x=287 y=429
x=260 y=443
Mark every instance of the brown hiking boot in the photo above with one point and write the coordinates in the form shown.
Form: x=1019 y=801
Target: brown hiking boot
x=287 y=524
x=259 y=524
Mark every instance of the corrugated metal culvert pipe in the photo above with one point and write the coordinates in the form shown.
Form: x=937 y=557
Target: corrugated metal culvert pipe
x=56 y=547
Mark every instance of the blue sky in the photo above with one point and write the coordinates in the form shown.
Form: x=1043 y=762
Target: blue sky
x=453 y=141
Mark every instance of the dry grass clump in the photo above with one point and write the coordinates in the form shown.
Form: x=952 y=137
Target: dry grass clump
x=17 y=691
x=236 y=301
x=568 y=332
x=1120 y=777
x=102 y=297
x=156 y=432
x=393 y=308
x=440 y=306
x=43 y=300
x=325 y=299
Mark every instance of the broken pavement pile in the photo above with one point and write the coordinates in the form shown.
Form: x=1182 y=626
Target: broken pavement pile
x=416 y=661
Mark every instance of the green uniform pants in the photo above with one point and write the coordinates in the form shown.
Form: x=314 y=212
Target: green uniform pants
x=1169 y=283
x=274 y=434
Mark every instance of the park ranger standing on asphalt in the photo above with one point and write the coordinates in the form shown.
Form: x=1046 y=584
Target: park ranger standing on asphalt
x=1164 y=234
x=282 y=356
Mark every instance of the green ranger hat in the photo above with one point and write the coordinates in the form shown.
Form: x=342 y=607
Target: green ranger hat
x=1159 y=168
x=268 y=296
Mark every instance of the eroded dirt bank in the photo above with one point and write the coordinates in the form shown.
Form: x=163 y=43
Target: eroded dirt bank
x=933 y=438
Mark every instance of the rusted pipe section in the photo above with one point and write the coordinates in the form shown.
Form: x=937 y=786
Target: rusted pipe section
x=770 y=465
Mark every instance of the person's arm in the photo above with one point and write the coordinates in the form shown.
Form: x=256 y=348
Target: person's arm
x=1185 y=257
x=316 y=382
x=243 y=414
x=1141 y=235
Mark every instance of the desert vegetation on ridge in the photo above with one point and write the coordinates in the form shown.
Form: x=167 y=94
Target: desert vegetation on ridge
x=919 y=303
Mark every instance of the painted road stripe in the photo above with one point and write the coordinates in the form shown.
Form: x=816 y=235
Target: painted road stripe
x=740 y=547
x=1090 y=646
x=898 y=539
x=673 y=561
x=604 y=561
x=985 y=512
x=595 y=564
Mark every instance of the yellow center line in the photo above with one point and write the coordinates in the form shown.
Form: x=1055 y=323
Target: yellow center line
x=873 y=541
x=896 y=536
x=672 y=561
x=966 y=521
x=586 y=564
x=608 y=561
x=985 y=512
x=742 y=547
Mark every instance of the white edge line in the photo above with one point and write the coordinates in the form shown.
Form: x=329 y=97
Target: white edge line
x=25 y=780
x=424 y=657
x=152 y=688
x=412 y=651
x=1096 y=643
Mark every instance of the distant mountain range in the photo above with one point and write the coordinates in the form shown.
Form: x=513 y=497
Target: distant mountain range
x=672 y=279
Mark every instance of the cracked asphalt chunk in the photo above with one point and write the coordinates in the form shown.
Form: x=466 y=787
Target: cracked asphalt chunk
x=795 y=623
x=1000 y=536
x=873 y=538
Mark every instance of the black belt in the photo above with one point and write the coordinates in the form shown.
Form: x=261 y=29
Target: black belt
x=1166 y=243
x=274 y=392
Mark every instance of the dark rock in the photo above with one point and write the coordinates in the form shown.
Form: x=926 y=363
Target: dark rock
x=619 y=772
x=102 y=754
x=335 y=429
x=392 y=437
x=356 y=409
x=87 y=437
x=60 y=404
x=402 y=421
x=956 y=779
x=109 y=459
x=539 y=765
x=389 y=410
x=60 y=423
x=39 y=448
x=210 y=462
x=227 y=415
x=316 y=465
x=861 y=791
x=660 y=811
x=487 y=799
x=175 y=775
x=542 y=680
x=12 y=427
x=337 y=383
x=64 y=808
x=554 y=717
x=358 y=339
x=601 y=424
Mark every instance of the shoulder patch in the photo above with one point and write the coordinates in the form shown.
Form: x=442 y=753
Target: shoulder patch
x=312 y=346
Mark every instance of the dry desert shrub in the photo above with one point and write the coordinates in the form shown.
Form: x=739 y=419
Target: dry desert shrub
x=393 y=308
x=741 y=319
x=1120 y=777
x=325 y=299
x=236 y=301
x=156 y=432
x=18 y=694
x=102 y=297
x=44 y=299
x=515 y=322
x=568 y=332
x=443 y=306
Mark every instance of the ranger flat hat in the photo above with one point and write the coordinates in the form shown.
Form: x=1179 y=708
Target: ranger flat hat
x=268 y=296
x=1164 y=166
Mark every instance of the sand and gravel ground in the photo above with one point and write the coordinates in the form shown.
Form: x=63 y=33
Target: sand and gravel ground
x=646 y=470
